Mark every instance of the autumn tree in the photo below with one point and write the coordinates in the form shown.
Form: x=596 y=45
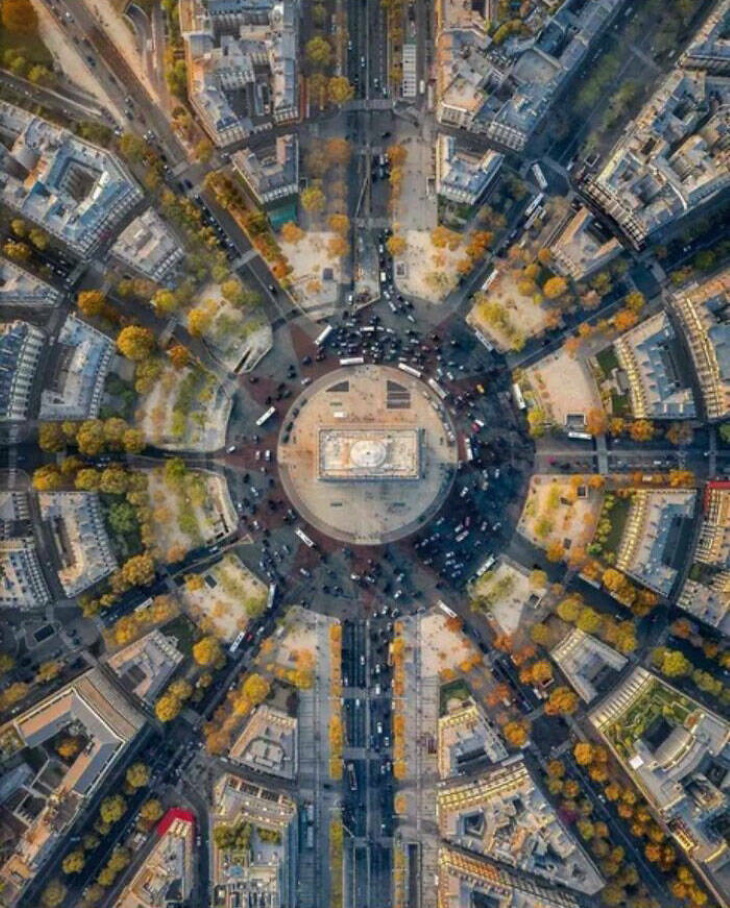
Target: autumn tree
x=624 y=320
x=207 y=651
x=596 y=421
x=339 y=90
x=555 y=287
x=292 y=233
x=91 y=302
x=319 y=52
x=73 y=862
x=47 y=478
x=561 y=702
x=138 y=775
x=312 y=199
x=255 y=688
x=18 y=17
x=55 y=892
x=136 y=343
x=339 y=223
x=112 y=808
x=337 y=247
x=151 y=811
x=397 y=245
x=396 y=155
x=51 y=437
x=516 y=732
x=167 y=708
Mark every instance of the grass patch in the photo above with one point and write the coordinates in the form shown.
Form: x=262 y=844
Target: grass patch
x=607 y=361
x=184 y=631
x=454 y=690
x=618 y=516
x=620 y=404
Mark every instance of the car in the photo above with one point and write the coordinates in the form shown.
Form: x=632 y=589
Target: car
x=231 y=449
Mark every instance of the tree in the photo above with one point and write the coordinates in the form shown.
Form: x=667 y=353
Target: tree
x=87 y=480
x=397 y=155
x=516 y=732
x=340 y=223
x=397 y=245
x=55 y=891
x=6 y=663
x=51 y=437
x=167 y=708
x=255 y=688
x=19 y=252
x=139 y=570
x=624 y=320
x=91 y=302
x=133 y=441
x=138 y=775
x=337 y=247
x=74 y=862
x=641 y=430
x=112 y=808
x=151 y=811
x=207 y=651
x=561 y=702
x=635 y=301
x=555 y=287
x=555 y=552
x=312 y=199
x=596 y=422
x=47 y=478
x=179 y=356
x=203 y=151
x=589 y=620
x=18 y=17
x=292 y=233
x=583 y=753
x=340 y=90
x=48 y=671
x=136 y=343
x=200 y=320
x=319 y=52
x=569 y=609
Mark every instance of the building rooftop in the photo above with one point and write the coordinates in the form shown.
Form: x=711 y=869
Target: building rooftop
x=702 y=310
x=21 y=347
x=502 y=814
x=268 y=743
x=463 y=177
x=710 y=48
x=167 y=875
x=265 y=873
x=76 y=524
x=650 y=545
x=271 y=174
x=671 y=159
x=76 y=371
x=50 y=791
x=713 y=545
x=505 y=91
x=21 y=288
x=589 y=664
x=76 y=191
x=583 y=245
x=22 y=584
x=148 y=245
x=710 y=601
x=242 y=64
x=466 y=735
x=466 y=880
x=679 y=753
x=653 y=363
x=145 y=666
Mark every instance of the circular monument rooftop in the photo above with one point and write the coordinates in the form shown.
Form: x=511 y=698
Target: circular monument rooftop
x=367 y=454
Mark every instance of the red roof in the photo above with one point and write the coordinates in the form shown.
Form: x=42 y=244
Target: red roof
x=175 y=813
x=720 y=484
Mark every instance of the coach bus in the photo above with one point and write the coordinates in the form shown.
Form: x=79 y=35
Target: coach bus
x=352 y=361
x=539 y=176
x=518 y=396
x=436 y=387
x=266 y=416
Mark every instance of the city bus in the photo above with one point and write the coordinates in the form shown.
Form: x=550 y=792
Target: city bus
x=436 y=387
x=534 y=204
x=446 y=610
x=518 y=396
x=271 y=596
x=266 y=416
x=404 y=367
x=352 y=361
x=303 y=536
x=490 y=279
x=539 y=176
x=486 y=565
x=323 y=336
